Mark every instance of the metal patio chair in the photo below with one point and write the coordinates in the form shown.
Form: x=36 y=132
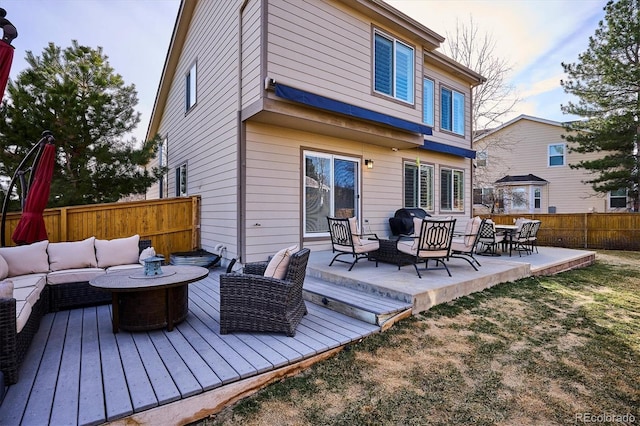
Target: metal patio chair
x=346 y=240
x=489 y=238
x=432 y=241
x=464 y=246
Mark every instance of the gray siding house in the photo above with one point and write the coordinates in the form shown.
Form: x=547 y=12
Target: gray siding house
x=279 y=113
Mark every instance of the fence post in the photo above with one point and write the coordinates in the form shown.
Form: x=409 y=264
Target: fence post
x=586 y=230
x=63 y=224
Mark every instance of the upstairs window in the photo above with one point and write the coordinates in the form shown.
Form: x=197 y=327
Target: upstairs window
x=452 y=111
x=190 y=85
x=428 y=93
x=393 y=68
x=418 y=185
x=556 y=155
x=481 y=158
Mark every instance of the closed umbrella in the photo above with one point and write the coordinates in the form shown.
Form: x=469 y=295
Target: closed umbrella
x=31 y=227
x=9 y=32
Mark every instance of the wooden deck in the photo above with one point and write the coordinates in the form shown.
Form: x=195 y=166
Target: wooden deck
x=78 y=372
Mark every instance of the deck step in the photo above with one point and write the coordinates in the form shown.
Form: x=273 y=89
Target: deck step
x=371 y=308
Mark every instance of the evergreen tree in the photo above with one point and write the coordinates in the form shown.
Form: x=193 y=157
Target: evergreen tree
x=606 y=80
x=76 y=95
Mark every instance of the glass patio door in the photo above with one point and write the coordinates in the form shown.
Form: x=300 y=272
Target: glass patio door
x=331 y=188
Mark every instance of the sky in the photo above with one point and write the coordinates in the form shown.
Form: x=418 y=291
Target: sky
x=534 y=36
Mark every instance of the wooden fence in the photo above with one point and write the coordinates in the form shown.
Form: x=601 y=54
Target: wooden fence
x=172 y=224
x=612 y=231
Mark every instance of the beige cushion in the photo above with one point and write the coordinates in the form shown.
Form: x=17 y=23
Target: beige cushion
x=72 y=255
x=73 y=275
x=116 y=268
x=6 y=289
x=119 y=251
x=23 y=310
x=277 y=267
x=4 y=268
x=146 y=253
x=38 y=280
x=30 y=294
x=27 y=259
x=355 y=234
x=471 y=231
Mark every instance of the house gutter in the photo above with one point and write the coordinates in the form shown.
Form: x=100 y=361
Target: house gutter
x=241 y=144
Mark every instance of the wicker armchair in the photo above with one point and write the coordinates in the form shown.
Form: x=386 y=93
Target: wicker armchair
x=253 y=302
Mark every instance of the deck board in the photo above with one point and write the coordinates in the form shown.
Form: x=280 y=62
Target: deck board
x=78 y=372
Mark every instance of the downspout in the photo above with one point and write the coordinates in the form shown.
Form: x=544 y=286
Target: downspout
x=241 y=142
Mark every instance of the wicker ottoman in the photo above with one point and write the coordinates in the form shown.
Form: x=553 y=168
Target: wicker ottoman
x=388 y=253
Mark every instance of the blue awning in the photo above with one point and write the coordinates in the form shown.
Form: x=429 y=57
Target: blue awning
x=332 y=105
x=448 y=149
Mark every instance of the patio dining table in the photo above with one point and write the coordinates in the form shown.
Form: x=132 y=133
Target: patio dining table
x=509 y=232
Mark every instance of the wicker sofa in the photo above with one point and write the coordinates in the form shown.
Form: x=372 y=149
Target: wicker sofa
x=47 y=277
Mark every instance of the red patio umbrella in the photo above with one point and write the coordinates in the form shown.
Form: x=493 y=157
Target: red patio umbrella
x=9 y=32
x=31 y=227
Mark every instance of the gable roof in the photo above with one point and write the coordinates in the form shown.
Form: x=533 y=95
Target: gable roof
x=377 y=9
x=521 y=179
x=481 y=135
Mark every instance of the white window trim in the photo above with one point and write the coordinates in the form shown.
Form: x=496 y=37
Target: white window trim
x=454 y=121
x=395 y=42
x=564 y=155
x=453 y=199
x=358 y=207
x=191 y=87
x=419 y=188
x=181 y=171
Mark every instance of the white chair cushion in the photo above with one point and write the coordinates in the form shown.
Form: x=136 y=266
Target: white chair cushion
x=72 y=255
x=38 y=280
x=123 y=267
x=355 y=234
x=23 y=310
x=6 y=289
x=73 y=275
x=31 y=294
x=4 y=268
x=277 y=267
x=119 y=251
x=27 y=259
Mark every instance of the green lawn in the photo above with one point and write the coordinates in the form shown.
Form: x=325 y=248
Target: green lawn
x=551 y=350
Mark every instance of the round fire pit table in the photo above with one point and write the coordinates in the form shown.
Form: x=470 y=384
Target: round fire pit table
x=141 y=302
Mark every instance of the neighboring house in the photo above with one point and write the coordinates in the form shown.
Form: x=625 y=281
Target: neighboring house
x=279 y=113
x=523 y=166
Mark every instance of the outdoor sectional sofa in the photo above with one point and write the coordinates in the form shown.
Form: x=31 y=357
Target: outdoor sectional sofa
x=47 y=277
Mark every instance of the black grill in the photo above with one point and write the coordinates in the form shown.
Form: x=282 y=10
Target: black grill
x=402 y=221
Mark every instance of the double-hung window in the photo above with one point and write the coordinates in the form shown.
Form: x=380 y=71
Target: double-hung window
x=452 y=111
x=330 y=189
x=163 y=161
x=418 y=185
x=393 y=67
x=451 y=190
x=190 y=85
x=557 y=155
x=618 y=199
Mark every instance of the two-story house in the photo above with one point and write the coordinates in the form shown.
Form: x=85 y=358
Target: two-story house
x=523 y=166
x=279 y=113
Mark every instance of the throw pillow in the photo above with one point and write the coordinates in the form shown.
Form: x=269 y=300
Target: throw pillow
x=72 y=255
x=6 y=289
x=277 y=267
x=119 y=251
x=4 y=268
x=27 y=259
x=146 y=253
